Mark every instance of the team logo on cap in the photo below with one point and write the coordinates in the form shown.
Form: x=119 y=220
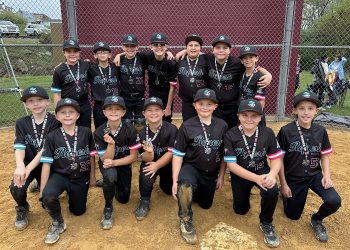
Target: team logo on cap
x=67 y=100
x=221 y=38
x=114 y=99
x=153 y=99
x=33 y=90
x=101 y=44
x=159 y=36
x=207 y=92
x=129 y=38
x=246 y=48
x=306 y=95
x=251 y=104
x=71 y=42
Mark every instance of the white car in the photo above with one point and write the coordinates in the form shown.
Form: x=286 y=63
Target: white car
x=8 y=28
x=36 y=30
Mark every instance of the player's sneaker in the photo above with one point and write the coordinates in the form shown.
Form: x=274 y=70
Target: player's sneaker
x=34 y=186
x=270 y=236
x=319 y=230
x=55 y=229
x=188 y=231
x=107 y=218
x=143 y=209
x=22 y=217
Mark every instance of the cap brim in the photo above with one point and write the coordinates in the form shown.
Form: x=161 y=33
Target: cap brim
x=77 y=108
x=216 y=42
x=241 y=55
x=24 y=98
x=110 y=104
x=248 y=109
x=203 y=98
x=194 y=38
x=149 y=104
x=72 y=47
x=318 y=104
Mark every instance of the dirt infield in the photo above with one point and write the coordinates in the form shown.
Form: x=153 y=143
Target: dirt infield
x=160 y=229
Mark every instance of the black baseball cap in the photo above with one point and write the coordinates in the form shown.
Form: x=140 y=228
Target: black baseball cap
x=159 y=38
x=205 y=94
x=250 y=105
x=194 y=37
x=247 y=50
x=114 y=100
x=101 y=46
x=67 y=102
x=222 y=39
x=34 y=91
x=130 y=39
x=153 y=101
x=71 y=44
x=306 y=96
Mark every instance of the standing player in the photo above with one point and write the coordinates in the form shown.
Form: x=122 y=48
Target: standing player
x=192 y=73
x=30 y=133
x=157 y=139
x=248 y=86
x=103 y=77
x=116 y=144
x=306 y=164
x=68 y=165
x=198 y=168
x=161 y=73
x=70 y=81
x=247 y=148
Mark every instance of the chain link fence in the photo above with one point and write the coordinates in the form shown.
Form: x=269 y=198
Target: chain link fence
x=283 y=31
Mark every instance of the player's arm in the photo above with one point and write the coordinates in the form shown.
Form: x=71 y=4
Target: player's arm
x=266 y=79
x=245 y=174
x=326 y=180
x=126 y=160
x=117 y=59
x=285 y=190
x=148 y=152
x=33 y=164
x=181 y=55
x=45 y=173
x=110 y=150
x=92 y=172
x=275 y=167
x=171 y=95
x=152 y=167
x=176 y=165
x=19 y=174
x=56 y=98
x=220 y=181
x=262 y=103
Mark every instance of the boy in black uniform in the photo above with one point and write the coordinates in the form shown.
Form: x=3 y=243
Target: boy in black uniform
x=157 y=139
x=68 y=165
x=132 y=78
x=116 y=144
x=248 y=86
x=30 y=133
x=192 y=74
x=198 y=168
x=70 y=80
x=247 y=148
x=306 y=164
x=104 y=80
x=161 y=73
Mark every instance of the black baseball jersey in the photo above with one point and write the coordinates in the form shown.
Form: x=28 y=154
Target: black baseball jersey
x=57 y=153
x=317 y=143
x=25 y=137
x=191 y=144
x=250 y=89
x=199 y=73
x=227 y=90
x=266 y=148
x=161 y=74
x=63 y=81
x=103 y=85
x=136 y=74
x=164 y=142
x=125 y=141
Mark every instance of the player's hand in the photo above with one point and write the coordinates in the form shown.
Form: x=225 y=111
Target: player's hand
x=174 y=189
x=219 y=182
x=180 y=55
x=285 y=191
x=27 y=173
x=108 y=163
x=265 y=81
x=117 y=60
x=259 y=180
x=327 y=182
x=19 y=176
x=147 y=147
x=167 y=111
x=151 y=168
x=269 y=180
x=108 y=139
x=92 y=182
x=170 y=55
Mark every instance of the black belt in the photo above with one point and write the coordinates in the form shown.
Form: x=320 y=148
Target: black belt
x=133 y=95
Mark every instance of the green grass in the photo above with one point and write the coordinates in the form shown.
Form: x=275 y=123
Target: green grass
x=306 y=78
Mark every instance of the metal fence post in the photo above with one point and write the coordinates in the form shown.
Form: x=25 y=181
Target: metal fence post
x=72 y=19
x=285 y=58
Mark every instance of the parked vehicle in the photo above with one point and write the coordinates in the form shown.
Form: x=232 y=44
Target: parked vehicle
x=8 y=28
x=36 y=30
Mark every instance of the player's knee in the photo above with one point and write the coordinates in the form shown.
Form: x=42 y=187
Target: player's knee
x=293 y=216
x=49 y=201
x=205 y=205
x=78 y=211
x=123 y=199
x=109 y=178
x=16 y=191
x=241 y=210
x=334 y=201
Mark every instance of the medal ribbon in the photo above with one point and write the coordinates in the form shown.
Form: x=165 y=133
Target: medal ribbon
x=76 y=79
x=148 y=140
x=133 y=68
x=194 y=67
x=103 y=75
x=71 y=153
x=117 y=131
x=222 y=70
x=39 y=141
x=306 y=152
x=251 y=153
x=205 y=134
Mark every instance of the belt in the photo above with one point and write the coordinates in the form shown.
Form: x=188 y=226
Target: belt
x=133 y=95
